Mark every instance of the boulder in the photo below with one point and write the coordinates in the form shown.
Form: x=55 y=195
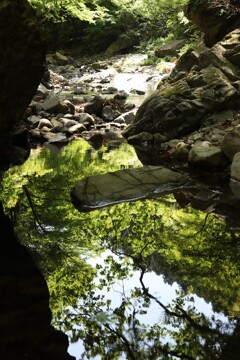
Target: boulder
x=170 y=49
x=21 y=64
x=202 y=85
x=126 y=118
x=122 y=44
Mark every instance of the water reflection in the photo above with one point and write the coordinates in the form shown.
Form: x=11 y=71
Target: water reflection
x=185 y=246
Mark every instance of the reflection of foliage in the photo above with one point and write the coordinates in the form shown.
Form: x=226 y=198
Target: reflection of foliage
x=185 y=245
x=37 y=197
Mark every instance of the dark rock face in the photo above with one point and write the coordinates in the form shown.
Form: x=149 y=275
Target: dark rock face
x=214 y=18
x=25 y=317
x=21 y=65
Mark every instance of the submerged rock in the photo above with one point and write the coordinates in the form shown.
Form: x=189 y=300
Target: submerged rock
x=98 y=191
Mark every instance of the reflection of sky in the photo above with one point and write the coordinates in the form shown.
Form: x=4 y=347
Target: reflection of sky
x=164 y=292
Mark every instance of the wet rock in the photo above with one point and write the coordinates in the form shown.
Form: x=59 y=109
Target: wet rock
x=70 y=106
x=59 y=138
x=79 y=90
x=96 y=139
x=35 y=136
x=58 y=58
x=110 y=90
x=68 y=122
x=126 y=118
x=123 y=43
x=235 y=167
x=143 y=138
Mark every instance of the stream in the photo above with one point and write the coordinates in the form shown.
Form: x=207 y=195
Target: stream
x=154 y=278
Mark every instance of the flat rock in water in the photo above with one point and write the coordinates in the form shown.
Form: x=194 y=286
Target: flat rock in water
x=98 y=191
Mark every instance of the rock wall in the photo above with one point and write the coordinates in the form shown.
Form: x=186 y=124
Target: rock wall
x=25 y=316
x=214 y=18
x=21 y=67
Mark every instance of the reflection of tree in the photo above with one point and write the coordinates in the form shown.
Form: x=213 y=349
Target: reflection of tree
x=198 y=252
x=112 y=332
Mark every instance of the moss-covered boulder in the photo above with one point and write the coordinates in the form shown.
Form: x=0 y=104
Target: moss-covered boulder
x=204 y=82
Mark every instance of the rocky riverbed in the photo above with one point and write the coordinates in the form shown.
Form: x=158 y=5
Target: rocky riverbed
x=81 y=100
x=192 y=119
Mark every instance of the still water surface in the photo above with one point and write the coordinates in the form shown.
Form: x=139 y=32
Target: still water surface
x=139 y=280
